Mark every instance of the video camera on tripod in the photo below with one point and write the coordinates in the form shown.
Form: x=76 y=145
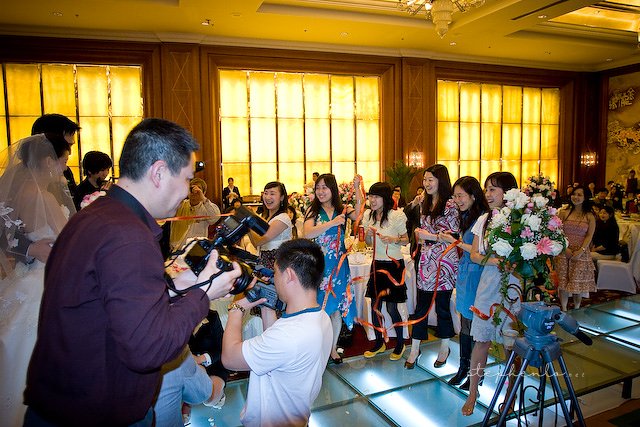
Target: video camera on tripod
x=539 y=348
x=228 y=230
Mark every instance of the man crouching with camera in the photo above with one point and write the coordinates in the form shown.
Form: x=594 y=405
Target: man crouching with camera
x=288 y=359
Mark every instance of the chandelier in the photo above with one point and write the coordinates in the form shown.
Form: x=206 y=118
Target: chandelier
x=439 y=11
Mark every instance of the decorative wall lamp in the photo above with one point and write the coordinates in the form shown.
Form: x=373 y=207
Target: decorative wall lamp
x=416 y=159
x=588 y=159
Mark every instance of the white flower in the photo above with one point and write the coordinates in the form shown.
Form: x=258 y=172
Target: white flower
x=506 y=211
x=498 y=220
x=556 y=248
x=502 y=248
x=517 y=197
x=533 y=221
x=539 y=200
x=528 y=251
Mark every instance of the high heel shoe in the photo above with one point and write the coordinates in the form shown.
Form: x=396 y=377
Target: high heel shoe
x=411 y=365
x=336 y=360
x=439 y=364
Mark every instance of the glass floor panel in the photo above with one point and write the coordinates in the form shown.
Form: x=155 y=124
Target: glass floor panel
x=600 y=321
x=586 y=375
x=606 y=348
x=631 y=335
x=380 y=392
x=433 y=403
x=623 y=308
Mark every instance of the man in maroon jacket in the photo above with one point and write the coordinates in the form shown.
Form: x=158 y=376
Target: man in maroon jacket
x=107 y=323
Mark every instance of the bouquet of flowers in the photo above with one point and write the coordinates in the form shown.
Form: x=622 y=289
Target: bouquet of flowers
x=347 y=193
x=90 y=198
x=526 y=234
x=540 y=185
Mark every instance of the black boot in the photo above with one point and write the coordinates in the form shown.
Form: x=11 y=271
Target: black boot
x=467 y=383
x=466 y=344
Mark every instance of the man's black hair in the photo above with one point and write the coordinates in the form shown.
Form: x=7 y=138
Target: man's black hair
x=54 y=123
x=305 y=258
x=152 y=140
x=95 y=161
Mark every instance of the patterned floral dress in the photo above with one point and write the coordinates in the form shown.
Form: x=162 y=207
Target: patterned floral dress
x=339 y=298
x=576 y=275
x=448 y=221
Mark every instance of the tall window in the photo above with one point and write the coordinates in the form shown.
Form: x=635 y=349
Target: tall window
x=285 y=126
x=105 y=100
x=484 y=128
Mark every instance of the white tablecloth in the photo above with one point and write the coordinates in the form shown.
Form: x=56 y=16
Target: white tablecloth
x=629 y=231
x=360 y=267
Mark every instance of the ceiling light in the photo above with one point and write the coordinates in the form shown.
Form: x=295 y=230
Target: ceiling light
x=453 y=44
x=542 y=16
x=58 y=14
x=206 y=22
x=439 y=11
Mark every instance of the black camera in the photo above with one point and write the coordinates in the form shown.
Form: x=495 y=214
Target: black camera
x=229 y=230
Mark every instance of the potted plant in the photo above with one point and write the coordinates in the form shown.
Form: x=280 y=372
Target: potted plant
x=401 y=174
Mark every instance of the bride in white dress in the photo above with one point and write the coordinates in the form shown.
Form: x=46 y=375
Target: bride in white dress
x=32 y=205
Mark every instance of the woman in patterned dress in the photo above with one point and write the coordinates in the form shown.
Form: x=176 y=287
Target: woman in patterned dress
x=439 y=215
x=574 y=267
x=324 y=221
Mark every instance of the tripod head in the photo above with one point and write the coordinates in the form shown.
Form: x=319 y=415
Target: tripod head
x=540 y=319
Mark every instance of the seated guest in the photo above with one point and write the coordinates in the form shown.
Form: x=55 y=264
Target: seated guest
x=183 y=380
x=605 y=238
x=95 y=166
x=196 y=204
x=601 y=199
x=287 y=361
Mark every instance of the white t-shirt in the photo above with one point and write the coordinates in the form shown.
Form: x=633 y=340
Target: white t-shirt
x=478 y=230
x=287 y=362
x=395 y=225
x=282 y=237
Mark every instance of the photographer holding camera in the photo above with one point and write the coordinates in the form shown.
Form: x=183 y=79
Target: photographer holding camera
x=287 y=361
x=107 y=323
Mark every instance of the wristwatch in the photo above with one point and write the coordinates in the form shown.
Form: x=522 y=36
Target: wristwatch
x=235 y=306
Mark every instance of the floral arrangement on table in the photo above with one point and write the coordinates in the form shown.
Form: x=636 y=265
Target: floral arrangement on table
x=347 y=193
x=526 y=234
x=90 y=198
x=300 y=201
x=540 y=185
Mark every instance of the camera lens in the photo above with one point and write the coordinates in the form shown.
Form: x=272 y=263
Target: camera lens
x=244 y=280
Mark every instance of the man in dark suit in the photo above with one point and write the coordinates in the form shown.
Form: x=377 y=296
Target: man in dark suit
x=229 y=194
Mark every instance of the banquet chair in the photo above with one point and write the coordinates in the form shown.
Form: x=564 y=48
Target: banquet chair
x=618 y=275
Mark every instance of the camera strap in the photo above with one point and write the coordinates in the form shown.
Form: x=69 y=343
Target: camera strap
x=171 y=285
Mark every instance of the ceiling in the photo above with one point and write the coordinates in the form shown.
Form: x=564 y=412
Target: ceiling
x=555 y=34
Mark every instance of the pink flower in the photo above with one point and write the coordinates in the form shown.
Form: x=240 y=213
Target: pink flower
x=507 y=229
x=545 y=246
x=554 y=223
x=526 y=233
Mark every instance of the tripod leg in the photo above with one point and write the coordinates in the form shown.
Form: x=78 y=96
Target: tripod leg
x=503 y=379
x=512 y=395
x=543 y=383
x=572 y=392
x=553 y=376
